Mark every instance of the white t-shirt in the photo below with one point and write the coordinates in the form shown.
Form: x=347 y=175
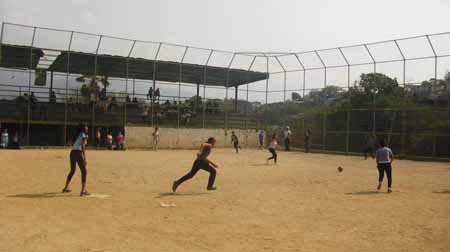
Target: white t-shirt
x=287 y=133
x=78 y=144
x=273 y=144
x=384 y=155
x=155 y=136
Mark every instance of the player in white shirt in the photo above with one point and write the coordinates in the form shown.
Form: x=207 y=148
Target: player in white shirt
x=272 y=148
x=384 y=157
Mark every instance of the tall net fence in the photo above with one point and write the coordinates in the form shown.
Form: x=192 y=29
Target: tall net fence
x=54 y=79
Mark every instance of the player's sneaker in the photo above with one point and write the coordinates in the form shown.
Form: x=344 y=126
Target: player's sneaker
x=211 y=188
x=389 y=190
x=379 y=186
x=85 y=193
x=174 y=186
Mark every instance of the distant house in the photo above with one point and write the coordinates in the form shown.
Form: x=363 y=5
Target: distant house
x=430 y=90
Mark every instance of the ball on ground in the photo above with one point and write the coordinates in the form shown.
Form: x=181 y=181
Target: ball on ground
x=340 y=169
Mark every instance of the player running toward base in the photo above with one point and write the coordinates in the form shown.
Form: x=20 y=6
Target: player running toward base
x=384 y=158
x=78 y=156
x=201 y=162
x=272 y=148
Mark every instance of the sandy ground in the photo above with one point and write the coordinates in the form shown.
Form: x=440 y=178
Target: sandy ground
x=302 y=204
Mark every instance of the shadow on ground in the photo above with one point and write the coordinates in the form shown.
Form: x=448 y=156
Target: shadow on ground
x=177 y=194
x=443 y=191
x=45 y=195
x=262 y=164
x=364 y=193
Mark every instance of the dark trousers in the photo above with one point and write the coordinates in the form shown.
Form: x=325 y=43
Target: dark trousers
x=261 y=142
x=236 y=146
x=287 y=143
x=274 y=155
x=382 y=168
x=306 y=145
x=203 y=165
x=368 y=150
x=76 y=157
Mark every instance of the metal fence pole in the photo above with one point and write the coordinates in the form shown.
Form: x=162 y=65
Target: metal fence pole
x=267 y=91
x=204 y=89
x=435 y=58
x=347 y=131
x=374 y=105
x=324 y=69
x=127 y=63
x=1 y=39
x=226 y=92
x=348 y=66
x=29 y=88
x=403 y=133
x=247 y=107
x=324 y=132
x=435 y=82
x=284 y=90
x=180 y=79
x=152 y=100
x=95 y=81
x=66 y=114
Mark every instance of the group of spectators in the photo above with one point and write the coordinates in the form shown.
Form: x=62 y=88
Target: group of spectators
x=286 y=134
x=107 y=140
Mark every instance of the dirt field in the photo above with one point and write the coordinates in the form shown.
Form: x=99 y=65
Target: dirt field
x=302 y=204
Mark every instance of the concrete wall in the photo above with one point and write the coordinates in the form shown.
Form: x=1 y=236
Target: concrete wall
x=141 y=137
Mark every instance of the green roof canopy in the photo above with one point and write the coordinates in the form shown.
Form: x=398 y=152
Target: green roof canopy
x=138 y=68
x=20 y=56
x=14 y=56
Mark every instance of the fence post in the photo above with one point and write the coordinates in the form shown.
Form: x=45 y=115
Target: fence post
x=347 y=140
x=403 y=152
x=324 y=131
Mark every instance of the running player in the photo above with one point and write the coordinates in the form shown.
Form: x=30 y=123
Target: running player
x=384 y=157
x=78 y=156
x=202 y=162
x=272 y=146
x=235 y=141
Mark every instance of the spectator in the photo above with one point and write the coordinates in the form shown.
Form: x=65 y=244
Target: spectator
x=135 y=100
x=128 y=99
x=52 y=99
x=98 y=137
x=287 y=141
x=120 y=141
x=5 y=139
x=15 y=141
x=33 y=101
x=261 y=139
x=109 y=141
x=370 y=146
x=157 y=94
x=308 y=134
x=150 y=93
x=112 y=103
x=155 y=136
x=33 y=98
x=103 y=95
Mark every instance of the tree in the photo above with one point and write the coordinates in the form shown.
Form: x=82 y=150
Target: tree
x=376 y=89
x=377 y=83
x=325 y=95
x=296 y=96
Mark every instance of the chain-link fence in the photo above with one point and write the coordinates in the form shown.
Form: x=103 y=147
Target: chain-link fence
x=53 y=79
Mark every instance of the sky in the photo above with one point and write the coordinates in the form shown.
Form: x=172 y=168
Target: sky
x=240 y=25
